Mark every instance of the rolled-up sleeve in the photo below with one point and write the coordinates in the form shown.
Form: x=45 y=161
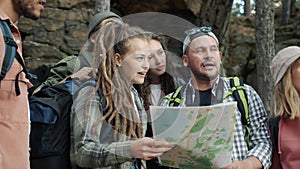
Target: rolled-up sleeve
x=259 y=137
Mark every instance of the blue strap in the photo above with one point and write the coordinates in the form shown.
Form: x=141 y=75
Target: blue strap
x=10 y=54
x=10 y=48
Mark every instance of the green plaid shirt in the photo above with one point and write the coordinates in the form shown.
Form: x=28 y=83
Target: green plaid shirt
x=66 y=67
x=89 y=148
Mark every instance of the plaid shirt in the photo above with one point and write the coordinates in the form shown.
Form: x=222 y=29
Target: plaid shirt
x=259 y=137
x=92 y=146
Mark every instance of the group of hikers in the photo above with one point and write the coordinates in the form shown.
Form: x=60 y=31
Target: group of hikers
x=110 y=121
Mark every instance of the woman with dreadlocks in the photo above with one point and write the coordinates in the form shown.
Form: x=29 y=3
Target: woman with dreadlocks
x=108 y=122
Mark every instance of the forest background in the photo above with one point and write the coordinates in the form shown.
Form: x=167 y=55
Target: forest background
x=250 y=32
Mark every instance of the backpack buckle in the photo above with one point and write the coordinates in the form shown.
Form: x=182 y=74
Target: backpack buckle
x=31 y=76
x=10 y=41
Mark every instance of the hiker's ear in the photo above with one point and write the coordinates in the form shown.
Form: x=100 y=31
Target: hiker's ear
x=185 y=60
x=118 y=59
x=221 y=54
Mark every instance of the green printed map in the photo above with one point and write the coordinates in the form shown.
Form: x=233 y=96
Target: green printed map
x=202 y=136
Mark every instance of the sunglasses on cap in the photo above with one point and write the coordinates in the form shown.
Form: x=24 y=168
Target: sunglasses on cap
x=203 y=29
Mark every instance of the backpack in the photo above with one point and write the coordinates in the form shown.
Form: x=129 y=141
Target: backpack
x=10 y=54
x=239 y=94
x=273 y=124
x=50 y=125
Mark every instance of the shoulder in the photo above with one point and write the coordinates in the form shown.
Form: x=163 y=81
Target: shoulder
x=250 y=91
x=69 y=60
x=165 y=100
x=171 y=97
x=251 y=94
x=64 y=66
x=247 y=87
x=86 y=91
x=178 y=81
x=72 y=58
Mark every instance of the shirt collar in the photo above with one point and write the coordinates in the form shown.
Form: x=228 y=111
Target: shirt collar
x=214 y=88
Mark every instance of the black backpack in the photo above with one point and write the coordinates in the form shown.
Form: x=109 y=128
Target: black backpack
x=273 y=124
x=50 y=125
x=11 y=54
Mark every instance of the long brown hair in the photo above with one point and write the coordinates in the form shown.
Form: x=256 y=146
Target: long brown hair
x=116 y=38
x=166 y=80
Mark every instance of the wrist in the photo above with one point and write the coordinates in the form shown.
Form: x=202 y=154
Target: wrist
x=253 y=162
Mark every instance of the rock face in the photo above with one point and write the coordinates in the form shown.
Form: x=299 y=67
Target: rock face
x=61 y=31
x=239 y=59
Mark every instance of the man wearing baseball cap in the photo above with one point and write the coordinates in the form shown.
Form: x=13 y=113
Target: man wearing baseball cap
x=202 y=56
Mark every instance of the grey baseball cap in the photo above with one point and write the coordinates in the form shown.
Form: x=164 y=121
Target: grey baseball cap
x=282 y=60
x=194 y=33
x=98 y=18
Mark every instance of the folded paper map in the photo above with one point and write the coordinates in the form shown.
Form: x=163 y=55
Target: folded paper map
x=202 y=136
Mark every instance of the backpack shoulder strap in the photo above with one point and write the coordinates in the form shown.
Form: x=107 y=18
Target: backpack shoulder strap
x=274 y=128
x=175 y=99
x=239 y=94
x=273 y=124
x=10 y=54
x=10 y=48
x=74 y=86
x=77 y=86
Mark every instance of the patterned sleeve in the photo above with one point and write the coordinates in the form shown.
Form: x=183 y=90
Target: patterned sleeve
x=89 y=152
x=259 y=137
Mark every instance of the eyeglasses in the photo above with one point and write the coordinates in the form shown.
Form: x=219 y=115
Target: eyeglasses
x=203 y=29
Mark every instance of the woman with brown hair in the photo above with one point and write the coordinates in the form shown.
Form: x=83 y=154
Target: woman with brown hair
x=158 y=82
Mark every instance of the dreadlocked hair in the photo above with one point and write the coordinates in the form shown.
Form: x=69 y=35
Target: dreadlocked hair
x=116 y=89
x=166 y=80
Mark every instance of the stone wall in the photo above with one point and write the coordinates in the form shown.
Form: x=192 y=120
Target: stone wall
x=61 y=31
x=239 y=59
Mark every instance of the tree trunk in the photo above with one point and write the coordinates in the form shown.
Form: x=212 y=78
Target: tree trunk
x=286 y=11
x=102 y=5
x=293 y=7
x=215 y=14
x=247 y=7
x=265 y=49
